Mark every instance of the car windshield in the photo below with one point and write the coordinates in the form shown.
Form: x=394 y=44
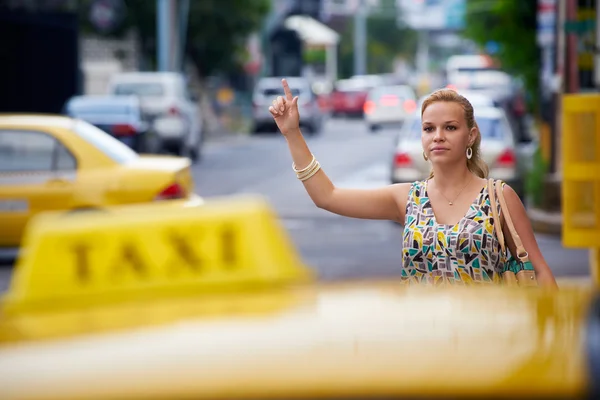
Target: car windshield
x=349 y=86
x=491 y=128
x=269 y=92
x=104 y=142
x=402 y=92
x=475 y=69
x=140 y=89
x=99 y=109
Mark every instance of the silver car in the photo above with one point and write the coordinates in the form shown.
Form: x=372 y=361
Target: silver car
x=170 y=107
x=498 y=149
x=389 y=105
x=267 y=89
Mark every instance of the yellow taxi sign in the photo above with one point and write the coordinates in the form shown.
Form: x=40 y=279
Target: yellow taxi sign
x=109 y=255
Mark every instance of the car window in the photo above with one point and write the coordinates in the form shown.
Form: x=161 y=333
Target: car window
x=64 y=160
x=270 y=92
x=490 y=128
x=140 y=89
x=99 y=109
x=402 y=93
x=475 y=69
x=113 y=148
x=349 y=87
x=22 y=151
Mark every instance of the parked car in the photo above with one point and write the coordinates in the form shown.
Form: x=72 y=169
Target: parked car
x=169 y=106
x=54 y=163
x=460 y=67
x=119 y=116
x=389 y=105
x=498 y=148
x=267 y=89
x=348 y=98
x=477 y=99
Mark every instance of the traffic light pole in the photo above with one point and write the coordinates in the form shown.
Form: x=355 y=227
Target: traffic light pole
x=162 y=34
x=171 y=32
x=360 y=39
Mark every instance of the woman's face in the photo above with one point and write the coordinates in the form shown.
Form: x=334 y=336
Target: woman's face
x=445 y=135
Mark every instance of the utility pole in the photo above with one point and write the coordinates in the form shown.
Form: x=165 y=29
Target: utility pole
x=163 y=20
x=423 y=51
x=360 y=39
x=184 y=11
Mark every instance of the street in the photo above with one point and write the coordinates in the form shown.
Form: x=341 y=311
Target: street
x=336 y=247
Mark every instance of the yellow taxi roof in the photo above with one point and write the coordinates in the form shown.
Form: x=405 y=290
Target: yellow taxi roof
x=50 y=120
x=349 y=341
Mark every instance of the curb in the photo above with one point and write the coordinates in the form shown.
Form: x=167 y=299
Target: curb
x=582 y=281
x=545 y=222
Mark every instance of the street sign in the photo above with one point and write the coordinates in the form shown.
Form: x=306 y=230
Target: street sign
x=106 y=15
x=580 y=27
x=546 y=22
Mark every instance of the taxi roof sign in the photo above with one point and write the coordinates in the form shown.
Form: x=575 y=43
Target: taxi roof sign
x=226 y=244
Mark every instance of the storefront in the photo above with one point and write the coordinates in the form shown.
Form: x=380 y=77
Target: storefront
x=569 y=45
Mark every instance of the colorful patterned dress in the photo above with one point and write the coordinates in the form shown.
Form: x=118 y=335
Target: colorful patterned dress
x=437 y=254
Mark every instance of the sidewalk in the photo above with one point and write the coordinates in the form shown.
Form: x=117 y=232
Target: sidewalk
x=577 y=282
x=549 y=222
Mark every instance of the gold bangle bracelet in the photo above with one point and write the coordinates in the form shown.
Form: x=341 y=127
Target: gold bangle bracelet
x=308 y=167
x=313 y=173
x=305 y=173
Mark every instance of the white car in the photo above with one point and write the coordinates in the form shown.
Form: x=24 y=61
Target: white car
x=168 y=105
x=267 y=89
x=389 y=105
x=477 y=99
x=462 y=65
x=498 y=149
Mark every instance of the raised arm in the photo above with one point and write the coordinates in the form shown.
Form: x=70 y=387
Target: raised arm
x=388 y=202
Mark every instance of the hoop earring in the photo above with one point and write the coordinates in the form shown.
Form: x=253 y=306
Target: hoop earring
x=469 y=153
x=425 y=157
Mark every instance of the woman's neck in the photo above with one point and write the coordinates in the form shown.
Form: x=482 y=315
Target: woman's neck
x=451 y=177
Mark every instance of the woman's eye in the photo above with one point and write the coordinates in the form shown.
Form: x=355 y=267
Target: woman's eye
x=451 y=127
x=427 y=129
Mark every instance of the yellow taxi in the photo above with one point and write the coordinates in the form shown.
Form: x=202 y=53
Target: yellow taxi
x=213 y=302
x=52 y=163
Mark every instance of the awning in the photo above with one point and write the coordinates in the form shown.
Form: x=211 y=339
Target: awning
x=311 y=31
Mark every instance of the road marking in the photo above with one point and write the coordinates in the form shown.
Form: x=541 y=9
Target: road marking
x=371 y=177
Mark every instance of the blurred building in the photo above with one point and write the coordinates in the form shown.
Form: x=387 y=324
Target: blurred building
x=39 y=70
x=101 y=57
x=293 y=27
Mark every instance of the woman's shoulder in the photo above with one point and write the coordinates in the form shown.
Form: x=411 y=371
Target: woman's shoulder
x=503 y=185
x=410 y=187
x=404 y=192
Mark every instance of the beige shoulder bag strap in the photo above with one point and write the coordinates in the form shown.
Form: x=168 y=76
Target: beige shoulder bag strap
x=521 y=252
x=494 y=207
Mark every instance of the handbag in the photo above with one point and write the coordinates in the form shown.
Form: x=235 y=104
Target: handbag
x=518 y=270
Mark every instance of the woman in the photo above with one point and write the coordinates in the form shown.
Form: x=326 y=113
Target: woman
x=443 y=215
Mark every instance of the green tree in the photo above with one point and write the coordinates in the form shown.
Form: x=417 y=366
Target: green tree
x=385 y=41
x=511 y=24
x=217 y=30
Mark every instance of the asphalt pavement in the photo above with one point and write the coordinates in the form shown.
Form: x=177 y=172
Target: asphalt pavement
x=336 y=247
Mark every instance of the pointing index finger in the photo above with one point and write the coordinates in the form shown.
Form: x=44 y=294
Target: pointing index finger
x=286 y=90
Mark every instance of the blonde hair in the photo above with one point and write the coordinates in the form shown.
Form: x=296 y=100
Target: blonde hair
x=475 y=164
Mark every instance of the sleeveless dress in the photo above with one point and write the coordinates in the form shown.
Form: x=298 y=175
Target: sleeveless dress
x=438 y=254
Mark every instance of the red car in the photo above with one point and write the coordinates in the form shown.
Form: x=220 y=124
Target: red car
x=348 y=98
